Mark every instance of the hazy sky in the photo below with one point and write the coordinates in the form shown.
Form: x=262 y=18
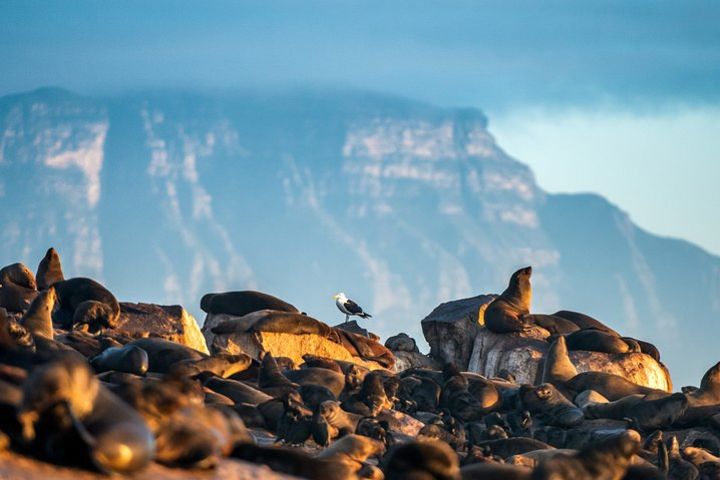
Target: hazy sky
x=617 y=97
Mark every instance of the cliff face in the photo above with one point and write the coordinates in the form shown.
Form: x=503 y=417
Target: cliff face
x=400 y=204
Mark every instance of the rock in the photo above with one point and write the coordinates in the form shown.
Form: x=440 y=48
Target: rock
x=171 y=322
x=339 y=345
x=451 y=329
x=405 y=360
x=402 y=342
x=522 y=356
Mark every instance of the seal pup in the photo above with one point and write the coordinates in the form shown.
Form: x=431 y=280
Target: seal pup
x=505 y=313
x=85 y=301
x=421 y=460
x=344 y=422
x=333 y=381
x=38 y=318
x=352 y=451
x=49 y=270
x=371 y=399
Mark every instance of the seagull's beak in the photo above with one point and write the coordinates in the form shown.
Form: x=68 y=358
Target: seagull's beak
x=334 y=297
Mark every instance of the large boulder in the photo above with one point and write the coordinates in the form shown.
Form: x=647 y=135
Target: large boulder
x=451 y=329
x=407 y=360
x=522 y=356
x=250 y=334
x=171 y=322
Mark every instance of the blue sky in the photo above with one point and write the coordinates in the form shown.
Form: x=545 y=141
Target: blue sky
x=617 y=97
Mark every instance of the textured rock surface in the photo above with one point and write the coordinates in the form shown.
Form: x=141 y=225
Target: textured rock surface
x=281 y=344
x=523 y=355
x=17 y=467
x=450 y=329
x=405 y=360
x=171 y=322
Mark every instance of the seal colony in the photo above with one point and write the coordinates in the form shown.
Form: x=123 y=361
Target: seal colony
x=76 y=390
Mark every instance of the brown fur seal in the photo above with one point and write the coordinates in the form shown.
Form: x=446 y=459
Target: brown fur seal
x=371 y=399
x=336 y=417
x=128 y=359
x=83 y=300
x=38 y=318
x=163 y=354
x=291 y=461
x=613 y=387
x=557 y=367
x=494 y=471
x=456 y=396
x=608 y=459
x=554 y=325
x=430 y=460
x=505 y=313
x=50 y=270
x=333 y=381
x=709 y=391
x=656 y=413
x=243 y=302
x=270 y=375
x=18 y=274
x=598 y=341
x=352 y=451
x=118 y=439
x=15 y=298
x=585 y=322
x=220 y=364
x=546 y=403
x=313 y=361
x=236 y=391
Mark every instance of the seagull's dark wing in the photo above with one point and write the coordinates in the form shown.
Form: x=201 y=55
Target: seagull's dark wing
x=353 y=307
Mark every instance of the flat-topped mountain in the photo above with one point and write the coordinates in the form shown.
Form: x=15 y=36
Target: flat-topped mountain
x=166 y=196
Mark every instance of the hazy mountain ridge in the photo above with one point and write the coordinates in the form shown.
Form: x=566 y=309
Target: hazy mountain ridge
x=401 y=204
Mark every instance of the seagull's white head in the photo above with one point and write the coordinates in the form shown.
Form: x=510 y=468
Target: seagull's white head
x=341 y=297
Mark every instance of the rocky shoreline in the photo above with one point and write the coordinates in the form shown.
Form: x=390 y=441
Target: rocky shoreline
x=90 y=386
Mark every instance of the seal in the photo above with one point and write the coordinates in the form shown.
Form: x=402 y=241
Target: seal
x=608 y=458
x=127 y=359
x=38 y=318
x=352 y=451
x=49 y=270
x=270 y=375
x=557 y=367
x=117 y=438
x=163 y=354
x=236 y=391
x=547 y=404
x=495 y=471
x=456 y=396
x=553 y=324
x=371 y=399
x=337 y=418
x=243 y=302
x=505 y=313
x=333 y=381
x=585 y=322
x=83 y=300
x=709 y=391
x=599 y=341
x=315 y=361
x=18 y=274
x=423 y=392
x=613 y=387
x=291 y=461
x=421 y=460
x=222 y=364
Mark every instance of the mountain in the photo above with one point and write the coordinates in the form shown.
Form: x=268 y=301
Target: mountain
x=402 y=205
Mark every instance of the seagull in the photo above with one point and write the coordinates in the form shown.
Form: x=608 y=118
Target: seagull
x=348 y=307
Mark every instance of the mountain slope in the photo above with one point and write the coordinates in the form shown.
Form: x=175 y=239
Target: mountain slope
x=302 y=194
